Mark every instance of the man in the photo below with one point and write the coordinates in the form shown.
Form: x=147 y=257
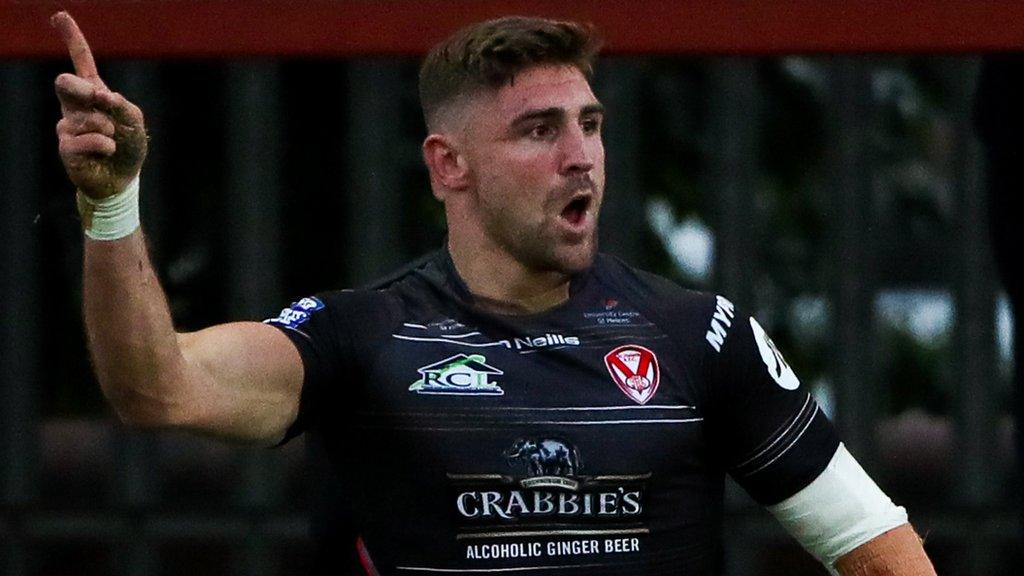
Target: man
x=515 y=402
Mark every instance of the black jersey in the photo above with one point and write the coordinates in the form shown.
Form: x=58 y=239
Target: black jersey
x=592 y=438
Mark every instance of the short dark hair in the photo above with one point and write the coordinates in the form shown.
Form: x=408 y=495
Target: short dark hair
x=490 y=54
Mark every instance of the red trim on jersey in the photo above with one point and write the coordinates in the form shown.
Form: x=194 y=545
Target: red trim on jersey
x=364 y=558
x=226 y=28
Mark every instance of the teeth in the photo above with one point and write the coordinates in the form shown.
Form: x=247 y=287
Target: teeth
x=576 y=209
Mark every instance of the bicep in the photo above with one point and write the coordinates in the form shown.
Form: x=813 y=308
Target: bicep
x=244 y=381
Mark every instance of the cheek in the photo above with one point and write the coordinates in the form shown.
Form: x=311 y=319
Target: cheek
x=523 y=170
x=597 y=153
x=598 y=156
x=531 y=155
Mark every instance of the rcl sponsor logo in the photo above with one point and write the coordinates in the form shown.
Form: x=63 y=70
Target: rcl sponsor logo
x=518 y=504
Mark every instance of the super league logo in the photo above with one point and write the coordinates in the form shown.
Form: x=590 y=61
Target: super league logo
x=635 y=370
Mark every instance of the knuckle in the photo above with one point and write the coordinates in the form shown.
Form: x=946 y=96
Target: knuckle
x=89 y=119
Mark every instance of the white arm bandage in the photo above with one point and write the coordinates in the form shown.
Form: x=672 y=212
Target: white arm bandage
x=113 y=217
x=837 y=512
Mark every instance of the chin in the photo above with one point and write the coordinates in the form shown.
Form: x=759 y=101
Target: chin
x=575 y=259
x=541 y=252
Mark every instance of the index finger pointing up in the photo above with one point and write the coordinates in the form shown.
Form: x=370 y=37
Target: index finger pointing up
x=78 y=48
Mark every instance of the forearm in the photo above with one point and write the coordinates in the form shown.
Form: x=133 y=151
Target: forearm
x=240 y=381
x=134 y=348
x=897 y=552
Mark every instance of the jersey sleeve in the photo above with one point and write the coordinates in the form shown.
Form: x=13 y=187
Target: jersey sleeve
x=772 y=436
x=315 y=326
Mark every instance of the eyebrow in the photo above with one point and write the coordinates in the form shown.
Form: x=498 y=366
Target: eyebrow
x=556 y=112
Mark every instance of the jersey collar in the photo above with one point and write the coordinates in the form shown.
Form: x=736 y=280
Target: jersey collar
x=457 y=286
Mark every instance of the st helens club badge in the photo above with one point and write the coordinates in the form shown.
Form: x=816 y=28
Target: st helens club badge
x=635 y=369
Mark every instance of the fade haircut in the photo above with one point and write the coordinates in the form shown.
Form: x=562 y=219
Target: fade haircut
x=490 y=54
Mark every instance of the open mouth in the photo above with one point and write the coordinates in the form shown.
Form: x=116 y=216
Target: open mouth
x=576 y=210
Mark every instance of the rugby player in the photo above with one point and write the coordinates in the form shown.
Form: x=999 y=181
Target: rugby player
x=514 y=402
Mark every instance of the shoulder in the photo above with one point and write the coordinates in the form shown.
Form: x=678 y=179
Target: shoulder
x=371 y=308
x=386 y=294
x=700 y=321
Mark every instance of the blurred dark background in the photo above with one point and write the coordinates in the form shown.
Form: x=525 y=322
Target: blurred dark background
x=842 y=198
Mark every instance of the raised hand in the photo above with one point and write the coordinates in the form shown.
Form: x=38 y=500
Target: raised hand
x=102 y=135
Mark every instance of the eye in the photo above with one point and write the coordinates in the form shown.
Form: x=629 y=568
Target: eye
x=591 y=125
x=542 y=132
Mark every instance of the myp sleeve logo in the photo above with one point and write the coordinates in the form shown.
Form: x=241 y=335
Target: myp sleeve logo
x=298 y=313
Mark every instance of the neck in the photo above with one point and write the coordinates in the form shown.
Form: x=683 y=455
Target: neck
x=502 y=284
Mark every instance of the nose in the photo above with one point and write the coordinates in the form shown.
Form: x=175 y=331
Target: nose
x=577 y=151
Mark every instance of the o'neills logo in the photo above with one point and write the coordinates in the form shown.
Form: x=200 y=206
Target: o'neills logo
x=542 y=341
x=550 y=487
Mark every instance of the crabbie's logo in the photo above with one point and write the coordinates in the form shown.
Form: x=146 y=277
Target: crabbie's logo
x=459 y=374
x=635 y=370
x=549 y=461
x=546 y=486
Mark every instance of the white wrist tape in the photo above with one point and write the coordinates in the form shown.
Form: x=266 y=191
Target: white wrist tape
x=112 y=217
x=837 y=512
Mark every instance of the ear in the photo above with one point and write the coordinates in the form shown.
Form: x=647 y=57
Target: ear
x=448 y=167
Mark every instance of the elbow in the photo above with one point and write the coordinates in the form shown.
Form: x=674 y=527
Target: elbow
x=146 y=395
x=142 y=409
x=143 y=417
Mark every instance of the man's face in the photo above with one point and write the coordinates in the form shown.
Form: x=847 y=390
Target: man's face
x=536 y=160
